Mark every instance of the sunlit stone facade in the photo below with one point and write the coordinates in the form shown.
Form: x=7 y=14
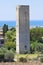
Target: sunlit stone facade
x=22 y=29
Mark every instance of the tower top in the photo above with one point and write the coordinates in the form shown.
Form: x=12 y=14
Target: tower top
x=18 y=6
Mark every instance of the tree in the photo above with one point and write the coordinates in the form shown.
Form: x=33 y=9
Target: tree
x=5 y=29
x=9 y=45
x=10 y=35
x=36 y=34
x=33 y=46
x=10 y=40
x=39 y=47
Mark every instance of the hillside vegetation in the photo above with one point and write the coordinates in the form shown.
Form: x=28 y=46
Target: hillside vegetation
x=36 y=39
x=8 y=51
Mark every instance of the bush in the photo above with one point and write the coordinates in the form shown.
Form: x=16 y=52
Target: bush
x=6 y=55
x=1 y=57
x=9 y=45
x=41 y=59
x=22 y=59
x=25 y=51
x=42 y=51
x=9 y=56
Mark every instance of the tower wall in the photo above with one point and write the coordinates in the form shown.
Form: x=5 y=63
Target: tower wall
x=22 y=29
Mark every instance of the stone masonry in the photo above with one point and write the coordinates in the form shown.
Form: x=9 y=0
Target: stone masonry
x=22 y=29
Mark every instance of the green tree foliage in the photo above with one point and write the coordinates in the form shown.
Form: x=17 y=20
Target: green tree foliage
x=33 y=46
x=3 y=50
x=10 y=45
x=5 y=29
x=10 y=39
x=36 y=34
x=9 y=56
x=10 y=35
x=39 y=47
x=36 y=38
x=13 y=29
x=6 y=55
x=36 y=46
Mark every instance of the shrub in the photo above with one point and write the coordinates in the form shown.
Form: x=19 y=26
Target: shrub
x=42 y=51
x=41 y=59
x=22 y=59
x=2 y=52
x=6 y=55
x=25 y=51
x=1 y=57
x=9 y=56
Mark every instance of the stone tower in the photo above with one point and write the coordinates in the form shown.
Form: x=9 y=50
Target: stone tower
x=22 y=29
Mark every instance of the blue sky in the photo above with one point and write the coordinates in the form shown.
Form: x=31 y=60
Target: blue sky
x=8 y=9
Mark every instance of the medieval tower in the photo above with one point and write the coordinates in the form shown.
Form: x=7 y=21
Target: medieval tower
x=22 y=29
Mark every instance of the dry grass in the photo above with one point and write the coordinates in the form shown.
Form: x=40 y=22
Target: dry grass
x=26 y=63
x=20 y=63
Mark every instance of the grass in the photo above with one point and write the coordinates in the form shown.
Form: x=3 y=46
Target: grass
x=31 y=56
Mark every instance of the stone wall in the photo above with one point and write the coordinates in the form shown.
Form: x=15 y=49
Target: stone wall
x=22 y=29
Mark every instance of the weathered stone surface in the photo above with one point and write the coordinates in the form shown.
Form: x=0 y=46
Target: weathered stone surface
x=22 y=29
